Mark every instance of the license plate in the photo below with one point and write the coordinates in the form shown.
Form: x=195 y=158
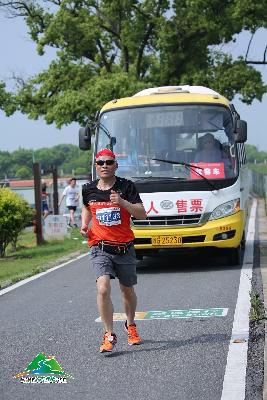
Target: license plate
x=167 y=241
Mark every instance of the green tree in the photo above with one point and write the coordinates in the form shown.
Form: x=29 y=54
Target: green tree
x=111 y=48
x=83 y=160
x=253 y=154
x=81 y=171
x=24 y=173
x=22 y=157
x=5 y=164
x=64 y=156
x=15 y=214
x=7 y=100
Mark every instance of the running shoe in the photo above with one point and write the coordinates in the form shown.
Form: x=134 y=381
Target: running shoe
x=133 y=337
x=109 y=341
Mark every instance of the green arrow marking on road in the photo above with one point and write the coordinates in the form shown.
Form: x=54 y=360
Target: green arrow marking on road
x=191 y=313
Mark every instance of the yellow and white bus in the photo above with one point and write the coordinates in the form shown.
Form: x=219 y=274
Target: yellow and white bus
x=183 y=146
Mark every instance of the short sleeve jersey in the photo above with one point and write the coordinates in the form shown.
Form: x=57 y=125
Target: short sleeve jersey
x=71 y=195
x=109 y=221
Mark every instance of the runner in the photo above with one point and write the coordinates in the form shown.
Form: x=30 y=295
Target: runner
x=109 y=203
x=72 y=194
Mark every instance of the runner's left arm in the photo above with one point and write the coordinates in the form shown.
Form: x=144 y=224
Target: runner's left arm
x=136 y=210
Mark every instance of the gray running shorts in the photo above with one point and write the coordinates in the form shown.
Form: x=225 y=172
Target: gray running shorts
x=121 y=266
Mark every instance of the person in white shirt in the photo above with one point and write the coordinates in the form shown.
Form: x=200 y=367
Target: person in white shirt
x=72 y=194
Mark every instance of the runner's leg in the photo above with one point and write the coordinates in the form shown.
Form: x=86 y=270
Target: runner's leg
x=105 y=306
x=71 y=217
x=130 y=301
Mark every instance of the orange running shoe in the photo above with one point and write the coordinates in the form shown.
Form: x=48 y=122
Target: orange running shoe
x=109 y=341
x=133 y=337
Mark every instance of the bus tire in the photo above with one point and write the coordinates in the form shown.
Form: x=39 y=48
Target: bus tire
x=243 y=241
x=235 y=256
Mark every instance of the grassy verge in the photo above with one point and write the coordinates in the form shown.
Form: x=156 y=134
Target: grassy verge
x=257 y=310
x=260 y=168
x=30 y=259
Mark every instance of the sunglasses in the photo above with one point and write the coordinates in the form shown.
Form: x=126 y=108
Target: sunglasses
x=107 y=162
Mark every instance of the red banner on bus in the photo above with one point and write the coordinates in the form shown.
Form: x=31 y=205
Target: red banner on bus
x=208 y=169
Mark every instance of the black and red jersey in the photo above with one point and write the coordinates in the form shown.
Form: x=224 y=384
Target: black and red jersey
x=109 y=221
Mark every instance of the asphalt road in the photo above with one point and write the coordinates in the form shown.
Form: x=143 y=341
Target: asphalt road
x=180 y=359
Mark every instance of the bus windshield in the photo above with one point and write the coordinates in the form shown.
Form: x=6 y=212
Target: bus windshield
x=198 y=135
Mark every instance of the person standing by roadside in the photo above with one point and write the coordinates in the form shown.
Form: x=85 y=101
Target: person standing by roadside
x=72 y=194
x=109 y=203
x=45 y=208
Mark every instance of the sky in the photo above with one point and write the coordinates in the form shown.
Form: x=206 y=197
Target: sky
x=19 y=57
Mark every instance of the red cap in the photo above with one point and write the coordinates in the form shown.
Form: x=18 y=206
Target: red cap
x=105 y=152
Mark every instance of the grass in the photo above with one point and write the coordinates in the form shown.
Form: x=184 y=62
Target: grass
x=257 y=310
x=260 y=168
x=30 y=259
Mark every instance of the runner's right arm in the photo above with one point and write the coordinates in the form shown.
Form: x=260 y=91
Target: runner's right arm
x=86 y=218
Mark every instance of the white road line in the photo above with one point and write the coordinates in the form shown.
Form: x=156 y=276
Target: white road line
x=32 y=278
x=234 y=383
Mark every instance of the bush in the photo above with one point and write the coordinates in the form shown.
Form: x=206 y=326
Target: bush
x=15 y=214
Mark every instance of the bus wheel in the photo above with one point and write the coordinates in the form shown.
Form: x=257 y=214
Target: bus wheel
x=235 y=256
x=243 y=241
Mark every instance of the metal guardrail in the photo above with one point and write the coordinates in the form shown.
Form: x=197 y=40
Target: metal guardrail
x=258 y=183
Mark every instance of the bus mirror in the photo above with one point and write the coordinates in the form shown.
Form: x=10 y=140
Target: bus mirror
x=85 y=138
x=240 y=131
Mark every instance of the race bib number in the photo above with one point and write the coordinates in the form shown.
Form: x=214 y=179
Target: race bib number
x=109 y=216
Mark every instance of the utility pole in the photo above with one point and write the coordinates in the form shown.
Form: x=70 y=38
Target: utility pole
x=55 y=190
x=38 y=203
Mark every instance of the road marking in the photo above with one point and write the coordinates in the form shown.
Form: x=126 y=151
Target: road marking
x=169 y=314
x=234 y=383
x=32 y=278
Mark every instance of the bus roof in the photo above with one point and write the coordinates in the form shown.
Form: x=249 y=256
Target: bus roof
x=168 y=95
x=177 y=89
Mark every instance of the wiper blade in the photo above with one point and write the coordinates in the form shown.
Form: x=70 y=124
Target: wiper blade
x=151 y=177
x=189 y=167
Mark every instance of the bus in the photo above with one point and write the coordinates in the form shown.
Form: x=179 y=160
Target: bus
x=183 y=146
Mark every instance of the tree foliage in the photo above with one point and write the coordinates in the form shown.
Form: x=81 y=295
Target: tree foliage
x=24 y=173
x=66 y=157
x=254 y=155
x=15 y=214
x=112 y=48
x=7 y=100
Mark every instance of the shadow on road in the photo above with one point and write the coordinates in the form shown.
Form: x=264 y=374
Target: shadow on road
x=193 y=260
x=162 y=345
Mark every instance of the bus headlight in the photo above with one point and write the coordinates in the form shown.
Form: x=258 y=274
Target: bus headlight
x=225 y=209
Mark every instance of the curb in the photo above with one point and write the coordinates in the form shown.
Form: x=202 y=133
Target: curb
x=262 y=226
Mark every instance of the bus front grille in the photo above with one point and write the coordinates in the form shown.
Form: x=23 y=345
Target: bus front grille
x=168 y=220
